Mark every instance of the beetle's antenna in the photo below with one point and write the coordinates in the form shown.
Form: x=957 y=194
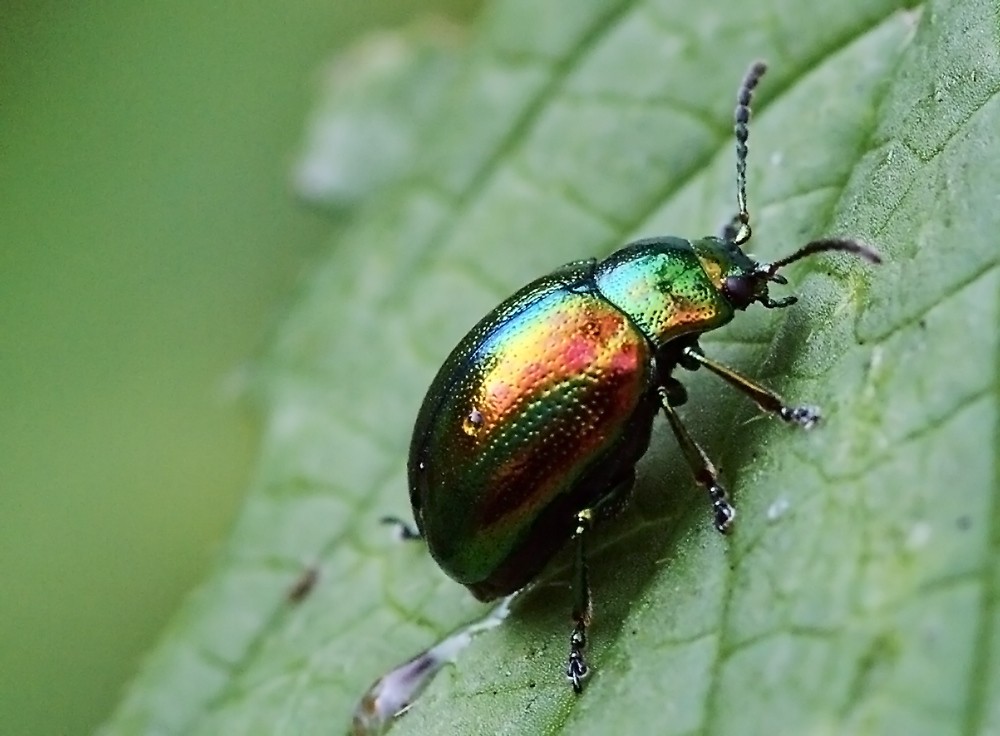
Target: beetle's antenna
x=740 y=227
x=819 y=246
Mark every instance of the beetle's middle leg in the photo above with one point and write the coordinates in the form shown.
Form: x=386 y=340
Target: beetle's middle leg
x=672 y=394
x=577 y=668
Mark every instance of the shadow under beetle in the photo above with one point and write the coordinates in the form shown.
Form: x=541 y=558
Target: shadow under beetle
x=531 y=430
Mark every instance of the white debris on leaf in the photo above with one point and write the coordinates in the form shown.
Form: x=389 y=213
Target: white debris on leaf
x=777 y=509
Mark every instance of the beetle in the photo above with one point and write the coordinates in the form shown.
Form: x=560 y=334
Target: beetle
x=532 y=428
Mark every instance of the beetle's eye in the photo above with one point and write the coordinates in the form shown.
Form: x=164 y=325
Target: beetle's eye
x=740 y=290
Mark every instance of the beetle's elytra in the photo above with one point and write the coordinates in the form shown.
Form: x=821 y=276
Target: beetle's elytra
x=531 y=430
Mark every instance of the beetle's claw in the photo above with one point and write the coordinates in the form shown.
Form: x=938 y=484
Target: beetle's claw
x=806 y=417
x=577 y=671
x=721 y=508
x=724 y=515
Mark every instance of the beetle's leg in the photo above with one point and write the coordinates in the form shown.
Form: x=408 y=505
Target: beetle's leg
x=608 y=506
x=765 y=398
x=616 y=500
x=404 y=531
x=577 y=670
x=672 y=394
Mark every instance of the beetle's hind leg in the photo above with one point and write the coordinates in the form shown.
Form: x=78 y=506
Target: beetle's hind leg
x=609 y=505
x=402 y=530
x=673 y=394
x=577 y=669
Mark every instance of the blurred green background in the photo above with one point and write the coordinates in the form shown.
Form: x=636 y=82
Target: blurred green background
x=148 y=240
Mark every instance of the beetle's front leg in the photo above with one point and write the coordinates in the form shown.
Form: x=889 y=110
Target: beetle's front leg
x=805 y=416
x=607 y=507
x=673 y=394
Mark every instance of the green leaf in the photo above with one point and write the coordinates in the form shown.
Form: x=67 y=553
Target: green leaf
x=860 y=592
x=375 y=100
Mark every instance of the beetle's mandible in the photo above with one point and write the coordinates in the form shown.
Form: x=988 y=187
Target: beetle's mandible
x=531 y=430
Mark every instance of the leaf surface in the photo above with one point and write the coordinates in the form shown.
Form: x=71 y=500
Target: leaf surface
x=860 y=592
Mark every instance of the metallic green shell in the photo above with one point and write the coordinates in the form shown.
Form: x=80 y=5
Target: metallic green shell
x=528 y=421
x=668 y=286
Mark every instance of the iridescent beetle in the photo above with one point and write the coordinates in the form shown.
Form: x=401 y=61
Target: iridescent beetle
x=531 y=430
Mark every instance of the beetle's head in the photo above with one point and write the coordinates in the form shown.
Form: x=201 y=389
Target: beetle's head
x=744 y=281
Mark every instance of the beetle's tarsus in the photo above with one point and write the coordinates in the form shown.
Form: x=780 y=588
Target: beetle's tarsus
x=787 y=301
x=806 y=417
x=723 y=511
x=403 y=530
x=577 y=671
